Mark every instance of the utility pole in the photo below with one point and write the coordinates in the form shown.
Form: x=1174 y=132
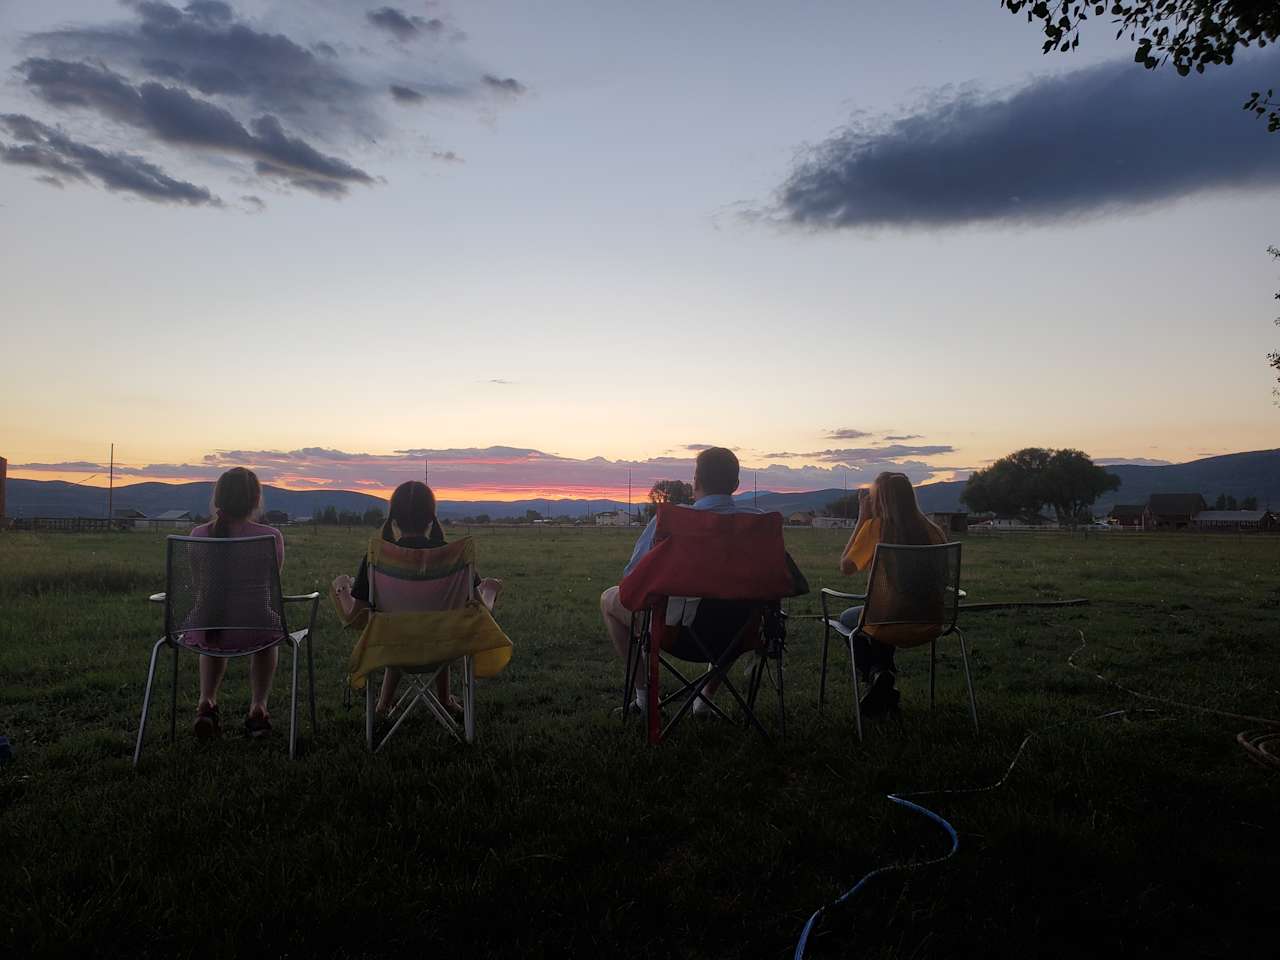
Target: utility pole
x=755 y=490
x=111 y=482
x=628 y=496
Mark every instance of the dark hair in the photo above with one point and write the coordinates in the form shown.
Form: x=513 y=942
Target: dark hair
x=236 y=496
x=716 y=471
x=893 y=502
x=413 y=507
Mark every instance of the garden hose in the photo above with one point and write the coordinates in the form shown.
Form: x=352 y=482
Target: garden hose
x=1262 y=745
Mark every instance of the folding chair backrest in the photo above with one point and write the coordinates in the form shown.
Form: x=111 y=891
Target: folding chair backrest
x=420 y=580
x=224 y=584
x=913 y=586
x=723 y=556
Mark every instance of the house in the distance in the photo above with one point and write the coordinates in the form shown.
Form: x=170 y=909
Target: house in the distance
x=828 y=522
x=169 y=520
x=1241 y=521
x=275 y=517
x=1173 y=511
x=124 y=518
x=801 y=518
x=1129 y=516
x=612 y=518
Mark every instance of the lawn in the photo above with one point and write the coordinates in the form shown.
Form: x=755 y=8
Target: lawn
x=560 y=834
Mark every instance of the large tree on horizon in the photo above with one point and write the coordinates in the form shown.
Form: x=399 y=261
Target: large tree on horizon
x=1026 y=481
x=1189 y=34
x=669 y=491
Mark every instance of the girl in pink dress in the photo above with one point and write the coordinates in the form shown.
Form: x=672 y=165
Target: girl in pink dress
x=237 y=501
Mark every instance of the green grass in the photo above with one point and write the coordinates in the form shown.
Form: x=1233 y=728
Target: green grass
x=560 y=834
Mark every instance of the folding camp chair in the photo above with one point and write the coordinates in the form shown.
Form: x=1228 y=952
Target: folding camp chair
x=222 y=599
x=425 y=600
x=913 y=598
x=737 y=566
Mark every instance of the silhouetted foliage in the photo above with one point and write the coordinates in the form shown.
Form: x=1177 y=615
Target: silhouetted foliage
x=1189 y=34
x=373 y=517
x=846 y=506
x=1026 y=481
x=669 y=491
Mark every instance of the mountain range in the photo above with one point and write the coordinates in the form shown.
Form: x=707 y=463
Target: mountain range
x=1254 y=474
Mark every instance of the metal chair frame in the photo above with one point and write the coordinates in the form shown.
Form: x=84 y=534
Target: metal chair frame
x=173 y=638
x=690 y=690
x=419 y=690
x=948 y=627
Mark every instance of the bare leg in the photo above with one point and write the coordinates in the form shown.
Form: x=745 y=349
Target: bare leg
x=212 y=670
x=262 y=670
x=390 y=680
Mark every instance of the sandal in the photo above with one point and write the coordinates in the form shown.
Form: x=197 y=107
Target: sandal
x=257 y=725
x=453 y=706
x=207 y=725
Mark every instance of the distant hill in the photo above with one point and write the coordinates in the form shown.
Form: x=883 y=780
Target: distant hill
x=1255 y=474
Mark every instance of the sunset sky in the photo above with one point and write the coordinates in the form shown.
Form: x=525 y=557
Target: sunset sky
x=538 y=246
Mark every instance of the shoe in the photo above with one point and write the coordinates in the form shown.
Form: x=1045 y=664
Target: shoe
x=633 y=710
x=257 y=726
x=881 y=696
x=207 y=726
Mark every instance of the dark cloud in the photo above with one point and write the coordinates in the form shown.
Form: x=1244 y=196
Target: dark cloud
x=1106 y=137
x=401 y=25
x=173 y=115
x=698 y=447
x=509 y=85
x=782 y=455
x=61 y=157
x=446 y=156
x=254 y=202
x=406 y=95
x=847 y=433
x=500 y=381
x=905 y=436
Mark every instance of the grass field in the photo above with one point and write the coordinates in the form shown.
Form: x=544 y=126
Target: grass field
x=560 y=834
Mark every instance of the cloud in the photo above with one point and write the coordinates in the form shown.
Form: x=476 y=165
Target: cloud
x=1132 y=462
x=500 y=381
x=510 y=85
x=62 y=158
x=905 y=436
x=847 y=433
x=862 y=455
x=172 y=115
x=406 y=95
x=446 y=156
x=401 y=25
x=1105 y=138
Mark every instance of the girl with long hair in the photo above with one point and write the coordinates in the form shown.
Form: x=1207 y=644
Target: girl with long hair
x=237 y=502
x=411 y=522
x=887 y=513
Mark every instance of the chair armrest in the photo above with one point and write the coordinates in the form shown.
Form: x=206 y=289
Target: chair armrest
x=828 y=592
x=156 y=598
x=301 y=597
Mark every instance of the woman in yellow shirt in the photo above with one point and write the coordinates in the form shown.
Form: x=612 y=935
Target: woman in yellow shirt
x=887 y=513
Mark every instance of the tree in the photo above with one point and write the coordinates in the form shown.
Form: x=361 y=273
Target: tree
x=329 y=515
x=846 y=506
x=1249 y=503
x=669 y=491
x=482 y=518
x=532 y=515
x=1225 y=502
x=1190 y=34
x=373 y=517
x=1026 y=481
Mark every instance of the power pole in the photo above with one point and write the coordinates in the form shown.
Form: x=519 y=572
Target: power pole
x=111 y=482
x=628 y=496
x=755 y=490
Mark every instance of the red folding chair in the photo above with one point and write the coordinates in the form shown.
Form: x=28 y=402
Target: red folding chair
x=737 y=569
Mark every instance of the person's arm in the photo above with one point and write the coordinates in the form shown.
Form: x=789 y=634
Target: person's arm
x=643 y=543
x=847 y=566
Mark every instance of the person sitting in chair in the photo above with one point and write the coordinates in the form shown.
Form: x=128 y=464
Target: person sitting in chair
x=715 y=478
x=887 y=513
x=411 y=522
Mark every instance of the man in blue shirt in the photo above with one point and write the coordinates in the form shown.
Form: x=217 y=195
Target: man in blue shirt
x=715 y=478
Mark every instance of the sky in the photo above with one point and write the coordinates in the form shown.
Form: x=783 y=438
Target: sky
x=542 y=248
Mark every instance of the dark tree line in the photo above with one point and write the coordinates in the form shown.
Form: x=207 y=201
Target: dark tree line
x=333 y=517
x=1027 y=481
x=668 y=491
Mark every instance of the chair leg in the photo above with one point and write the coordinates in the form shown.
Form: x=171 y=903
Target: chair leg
x=857 y=691
x=968 y=679
x=173 y=706
x=469 y=699
x=782 y=700
x=311 y=682
x=293 y=704
x=368 y=711
x=146 y=700
x=933 y=664
x=629 y=680
x=822 y=679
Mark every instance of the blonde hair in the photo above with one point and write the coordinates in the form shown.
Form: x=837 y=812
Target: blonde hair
x=893 y=503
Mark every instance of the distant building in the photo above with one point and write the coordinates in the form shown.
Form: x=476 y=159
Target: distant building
x=1173 y=511
x=1129 y=515
x=1238 y=520
x=839 y=522
x=613 y=518
x=951 y=522
x=275 y=517
x=801 y=518
x=169 y=520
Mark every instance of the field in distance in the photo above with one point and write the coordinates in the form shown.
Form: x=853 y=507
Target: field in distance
x=559 y=834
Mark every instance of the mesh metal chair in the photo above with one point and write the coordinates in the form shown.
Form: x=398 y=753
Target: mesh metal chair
x=404 y=580
x=913 y=598
x=223 y=599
